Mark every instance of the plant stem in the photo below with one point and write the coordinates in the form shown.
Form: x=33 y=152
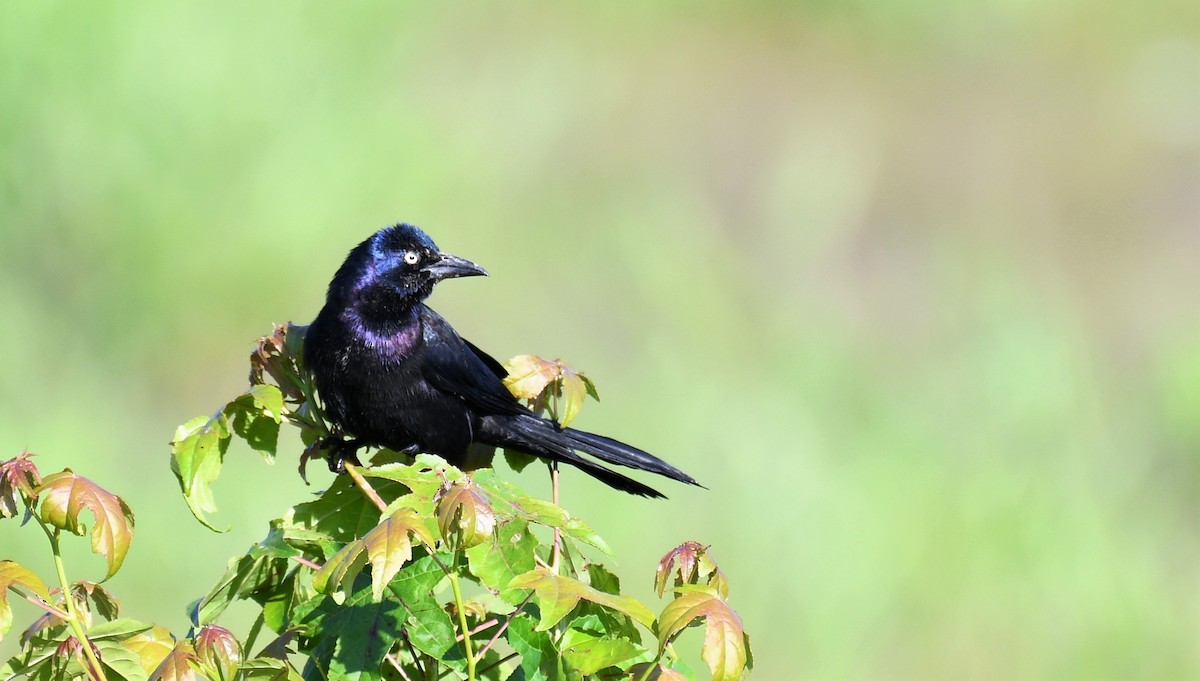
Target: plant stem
x=46 y=606
x=554 y=556
x=462 y=623
x=73 y=617
x=497 y=663
x=366 y=487
x=507 y=621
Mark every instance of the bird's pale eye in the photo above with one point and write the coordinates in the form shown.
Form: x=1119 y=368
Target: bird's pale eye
x=412 y=257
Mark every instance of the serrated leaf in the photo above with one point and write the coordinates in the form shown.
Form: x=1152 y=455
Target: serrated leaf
x=247 y=576
x=387 y=547
x=64 y=495
x=102 y=600
x=177 y=665
x=151 y=646
x=117 y=629
x=197 y=452
x=528 y=375
x=14 y=574
x=696 y=566
x=342 y=513
x=18 y=478
x=120 y=662
x=428 y=626
x=556 y=595
x=518 y=460
x=725 y=642
x=267 y=669
x=510 y=501
x=465 y=516
x=352 y=639
x=508 y=554
x=268 y=399
x=539 y=659
x=588 y=654
x=573 y=393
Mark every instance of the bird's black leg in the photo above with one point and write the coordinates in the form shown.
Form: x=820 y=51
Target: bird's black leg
x=339 y=451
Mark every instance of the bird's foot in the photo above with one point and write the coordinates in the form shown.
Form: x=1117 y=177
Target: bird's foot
x=339 y=451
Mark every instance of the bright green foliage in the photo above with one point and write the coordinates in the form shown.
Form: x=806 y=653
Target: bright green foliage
x=405 y=570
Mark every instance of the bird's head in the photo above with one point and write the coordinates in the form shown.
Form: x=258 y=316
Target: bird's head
x=403 y=260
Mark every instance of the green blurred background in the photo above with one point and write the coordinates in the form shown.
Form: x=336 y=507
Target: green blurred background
x=913 y=287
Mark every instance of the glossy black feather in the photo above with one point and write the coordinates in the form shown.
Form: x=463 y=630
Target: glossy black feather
x=393 y=373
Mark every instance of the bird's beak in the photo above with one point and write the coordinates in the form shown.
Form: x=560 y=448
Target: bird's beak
x=449 y=266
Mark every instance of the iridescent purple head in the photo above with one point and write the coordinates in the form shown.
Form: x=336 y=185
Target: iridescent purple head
x=402 y=260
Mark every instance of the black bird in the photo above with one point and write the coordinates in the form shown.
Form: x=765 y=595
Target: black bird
x=393 y=373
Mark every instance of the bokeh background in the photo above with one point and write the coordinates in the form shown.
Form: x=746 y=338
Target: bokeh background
x=914 y=287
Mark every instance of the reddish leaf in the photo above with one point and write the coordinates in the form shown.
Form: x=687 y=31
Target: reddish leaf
x=659 y=673
x=177 y=665
x=464 y=513
x=557 y=595
x=726 y=645
x=273 y=357
x=387 y=547
x=12 y=574
x=65 y=495
x=219 y=650
x=103 y=600
x=696 y=566
x=18 y=479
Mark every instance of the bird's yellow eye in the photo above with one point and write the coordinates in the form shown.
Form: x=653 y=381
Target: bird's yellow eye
x=412 y=257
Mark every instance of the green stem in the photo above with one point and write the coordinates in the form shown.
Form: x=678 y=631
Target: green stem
x=73 y=618
x=462 y=623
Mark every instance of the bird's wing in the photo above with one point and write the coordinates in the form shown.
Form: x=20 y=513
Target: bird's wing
x=455 y=366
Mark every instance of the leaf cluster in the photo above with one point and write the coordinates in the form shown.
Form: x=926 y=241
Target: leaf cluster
x=410 y=569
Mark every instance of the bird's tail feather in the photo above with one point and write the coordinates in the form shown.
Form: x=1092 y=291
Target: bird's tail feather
x=542 y=438
x=617 y=452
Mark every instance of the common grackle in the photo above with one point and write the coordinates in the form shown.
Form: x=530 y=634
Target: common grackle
x=393 y=373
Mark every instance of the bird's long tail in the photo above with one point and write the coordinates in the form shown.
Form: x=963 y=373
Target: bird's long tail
x=542 y=438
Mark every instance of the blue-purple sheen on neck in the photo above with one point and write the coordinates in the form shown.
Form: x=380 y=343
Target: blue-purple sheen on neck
x=395 y=342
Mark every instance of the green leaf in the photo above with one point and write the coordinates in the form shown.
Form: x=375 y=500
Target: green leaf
x=539 y=659
x=267 y=669
x=465 y=516
x=12 y=574
x=249 y=576
x=64 y=496
x=352 y=639
x=117 y=629
x=268 y=400
x=556 y=595
x=573 y=393
x=342 y=514
x=508 y=554
x=119 y=662
x=726 y=645
x=429 y=627
x=196 y=455
x=588 y=654
x=518 y=460
x=510 y=501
